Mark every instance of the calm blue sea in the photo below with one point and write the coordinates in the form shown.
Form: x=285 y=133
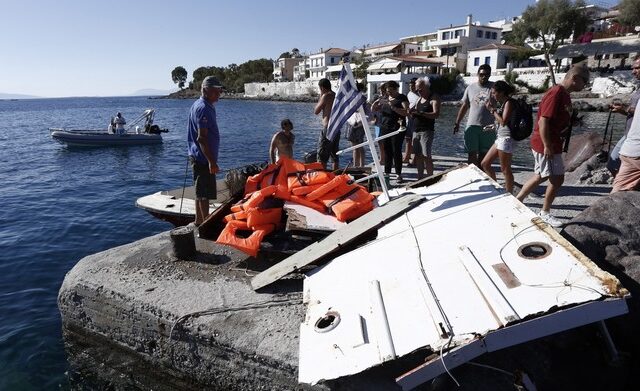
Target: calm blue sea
x=59 y=205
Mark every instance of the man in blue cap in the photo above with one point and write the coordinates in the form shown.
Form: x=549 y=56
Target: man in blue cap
x=203 y=140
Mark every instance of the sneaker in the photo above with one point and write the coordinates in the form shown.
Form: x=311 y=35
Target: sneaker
x=549 y=219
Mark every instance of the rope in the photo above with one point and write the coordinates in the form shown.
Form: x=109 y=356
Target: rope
x=184 y=185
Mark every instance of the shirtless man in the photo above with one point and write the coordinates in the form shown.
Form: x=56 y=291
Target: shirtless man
x=326 y=147
x=282 y=142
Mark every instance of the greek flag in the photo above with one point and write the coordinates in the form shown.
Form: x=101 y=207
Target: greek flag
x=347 y=101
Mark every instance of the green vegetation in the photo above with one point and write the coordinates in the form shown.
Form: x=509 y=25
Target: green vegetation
x=179 y=76
x=629 y=12
x=443 y=85
x=233 y=76
x=551 y=21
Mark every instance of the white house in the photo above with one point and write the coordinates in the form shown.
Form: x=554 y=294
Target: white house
x=400 y=69
x=373 y=53
x=452 y=43
x=318 y=63
x=424 y=43
x=283 y=68
x=496 y=55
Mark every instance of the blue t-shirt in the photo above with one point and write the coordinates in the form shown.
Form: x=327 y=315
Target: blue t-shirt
x=203 y=115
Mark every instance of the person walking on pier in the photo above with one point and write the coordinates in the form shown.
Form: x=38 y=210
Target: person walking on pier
x=203 y=138
x=503 y=147
x=477 y=140
x=326 y=148
x=628 y=178
x=552 y=123
x=613 y=164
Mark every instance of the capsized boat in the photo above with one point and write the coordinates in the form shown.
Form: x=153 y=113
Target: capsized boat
x=467 y=271
x=133 y=135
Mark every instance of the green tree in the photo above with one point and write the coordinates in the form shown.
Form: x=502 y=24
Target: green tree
x=285 y=55
x=234 y=76
x=629 y=12
x=179 y=76
x=551 y=21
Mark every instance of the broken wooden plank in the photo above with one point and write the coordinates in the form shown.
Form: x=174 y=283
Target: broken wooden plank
x=349 y=233
x=302 y=218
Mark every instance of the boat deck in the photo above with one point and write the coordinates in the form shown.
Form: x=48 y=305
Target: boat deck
x=570 y=201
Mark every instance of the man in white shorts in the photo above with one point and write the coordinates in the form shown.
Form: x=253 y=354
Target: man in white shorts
x=554 y=117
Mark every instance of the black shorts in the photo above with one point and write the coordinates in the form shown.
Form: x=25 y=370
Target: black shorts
x=204 y=181
x=327 y=148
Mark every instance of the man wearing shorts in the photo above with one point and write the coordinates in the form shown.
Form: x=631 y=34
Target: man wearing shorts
x=554 y=118
x=613 y=164
x=326 y=148
x=203 y=140
x=628 y=178
x=477 y=140
x=424 y=114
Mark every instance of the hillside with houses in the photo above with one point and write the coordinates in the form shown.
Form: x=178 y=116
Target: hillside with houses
x=459 y=49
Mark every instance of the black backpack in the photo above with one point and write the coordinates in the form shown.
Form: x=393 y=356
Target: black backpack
x=521 y=121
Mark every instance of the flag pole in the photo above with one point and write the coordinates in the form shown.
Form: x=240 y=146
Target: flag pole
x=367 y=133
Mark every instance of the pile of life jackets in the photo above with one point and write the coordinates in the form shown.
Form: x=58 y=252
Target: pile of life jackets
x=260 y=211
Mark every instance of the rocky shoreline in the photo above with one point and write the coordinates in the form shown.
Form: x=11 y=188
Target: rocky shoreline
x=582 y=101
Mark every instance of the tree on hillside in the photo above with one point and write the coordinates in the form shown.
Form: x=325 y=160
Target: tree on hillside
x=285 y=55
x=234 y=76
x=629 y=12
x=179 y=76
x=200 y=73
x=551 y=21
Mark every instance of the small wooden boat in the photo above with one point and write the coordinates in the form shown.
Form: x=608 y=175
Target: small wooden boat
x=134 y=135
x=177 y=206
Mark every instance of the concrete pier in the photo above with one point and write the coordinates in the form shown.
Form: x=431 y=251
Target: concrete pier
x=133 y=295
x=135 y=316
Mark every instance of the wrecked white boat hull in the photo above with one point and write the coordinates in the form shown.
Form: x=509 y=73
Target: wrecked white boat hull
x=446 y=276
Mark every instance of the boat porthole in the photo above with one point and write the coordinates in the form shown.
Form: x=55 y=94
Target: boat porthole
x=534 y=250
x=328 y=322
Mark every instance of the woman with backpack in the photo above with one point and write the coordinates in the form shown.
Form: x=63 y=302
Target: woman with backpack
x=504 y=144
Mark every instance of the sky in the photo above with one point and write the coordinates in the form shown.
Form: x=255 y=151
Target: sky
x=68 y=48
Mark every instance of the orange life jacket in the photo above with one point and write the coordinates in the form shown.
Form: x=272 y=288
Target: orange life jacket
x=304 y=190
x=309 y=177
x=346 y=200
x=311 y=204
x=257 y=217
x=250 y=244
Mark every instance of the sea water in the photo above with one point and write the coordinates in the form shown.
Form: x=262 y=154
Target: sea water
x=60 y=204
